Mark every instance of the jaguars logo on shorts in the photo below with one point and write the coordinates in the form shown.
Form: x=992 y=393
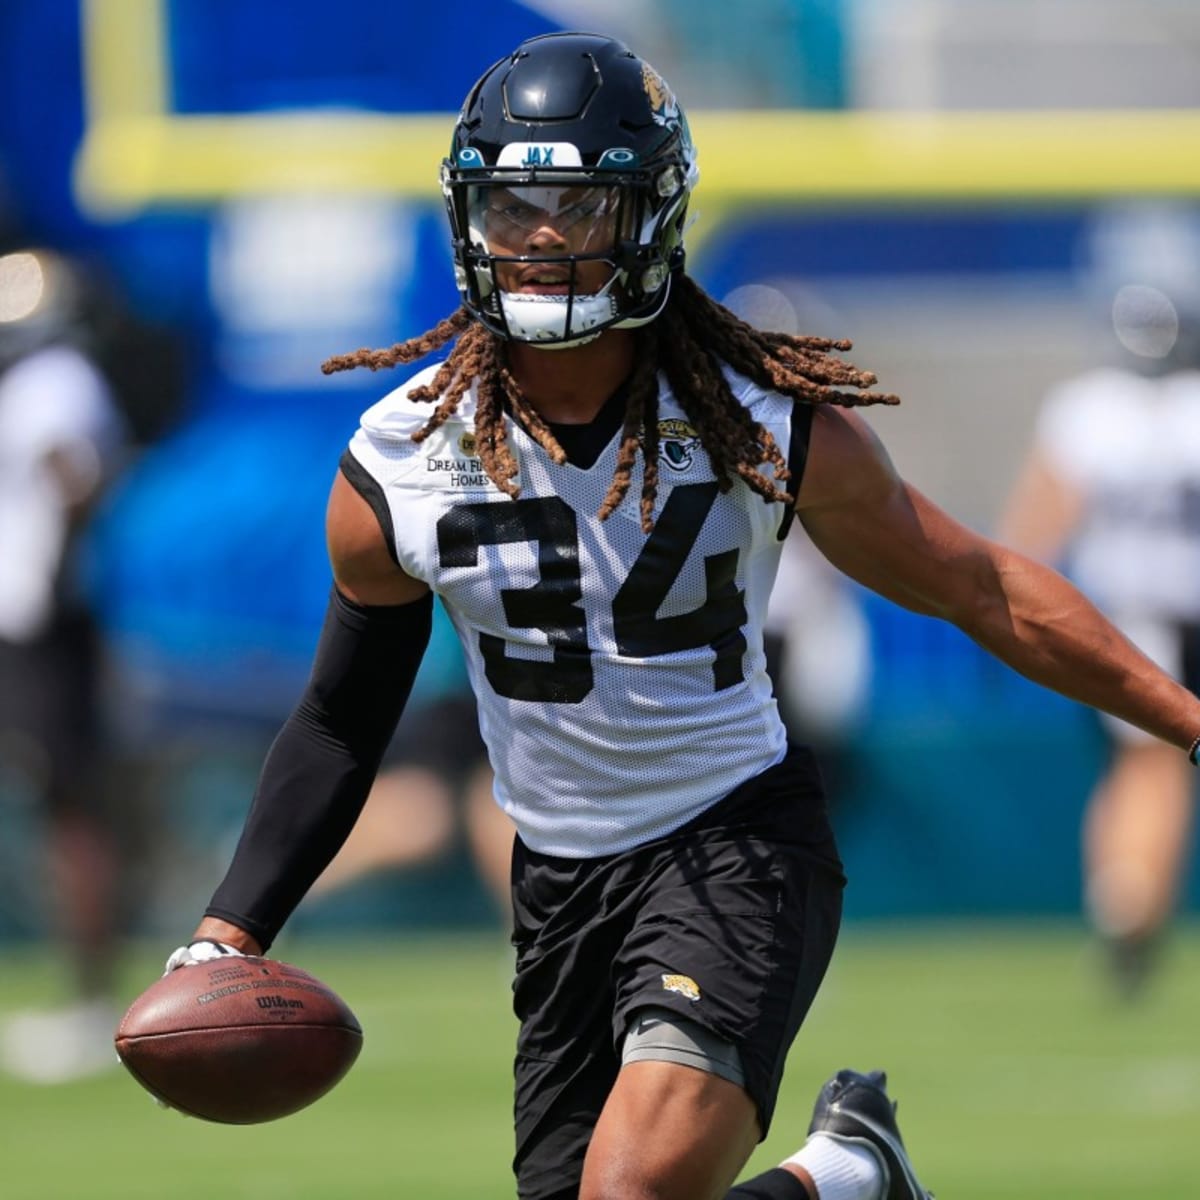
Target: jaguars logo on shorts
x=684 y=985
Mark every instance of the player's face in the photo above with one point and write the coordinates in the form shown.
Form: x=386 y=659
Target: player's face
x=549 y=222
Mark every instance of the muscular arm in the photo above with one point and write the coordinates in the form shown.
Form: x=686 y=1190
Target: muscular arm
x=363 y=567
x=883 y=533
x=320 y=768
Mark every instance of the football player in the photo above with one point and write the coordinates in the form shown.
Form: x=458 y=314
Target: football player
x=596 y=481
x=62 y=439
x=1109 y=487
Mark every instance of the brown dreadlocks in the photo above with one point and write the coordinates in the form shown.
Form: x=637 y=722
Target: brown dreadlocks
x=688 y=342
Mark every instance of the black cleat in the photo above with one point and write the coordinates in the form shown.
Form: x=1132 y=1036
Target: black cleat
x=1131 y=962
x=855 y=1108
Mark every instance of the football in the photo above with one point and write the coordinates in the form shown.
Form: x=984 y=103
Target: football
x=238 y=1040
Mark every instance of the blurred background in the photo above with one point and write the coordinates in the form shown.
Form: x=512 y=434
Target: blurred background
x=200 y=201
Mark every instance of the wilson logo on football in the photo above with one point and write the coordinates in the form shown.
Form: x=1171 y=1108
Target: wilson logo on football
x=277 y=1002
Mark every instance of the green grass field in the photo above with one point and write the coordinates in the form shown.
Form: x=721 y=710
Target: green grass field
x=1019 y=1077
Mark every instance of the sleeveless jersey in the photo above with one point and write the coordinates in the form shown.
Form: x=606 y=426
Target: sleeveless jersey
x=1131 y=445
x=620 y=676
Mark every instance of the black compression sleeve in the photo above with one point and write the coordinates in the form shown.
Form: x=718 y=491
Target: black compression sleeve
x=321 y=766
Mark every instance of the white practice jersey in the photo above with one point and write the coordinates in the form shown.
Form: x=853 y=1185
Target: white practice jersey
x=1131 y=446
x=54 y=401
x=620 y=676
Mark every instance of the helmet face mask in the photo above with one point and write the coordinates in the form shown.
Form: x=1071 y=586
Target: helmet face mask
x=567 y=188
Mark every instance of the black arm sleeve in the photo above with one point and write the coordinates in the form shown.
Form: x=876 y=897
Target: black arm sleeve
x=320 y=767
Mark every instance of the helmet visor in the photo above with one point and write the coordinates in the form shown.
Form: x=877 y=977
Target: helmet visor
x=544 y=219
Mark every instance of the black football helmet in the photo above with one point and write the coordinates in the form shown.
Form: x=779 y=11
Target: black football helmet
x=573 y=130
x=45 y=299
x=1143 y=274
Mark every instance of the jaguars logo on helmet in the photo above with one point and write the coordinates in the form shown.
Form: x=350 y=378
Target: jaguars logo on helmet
x=663 y=106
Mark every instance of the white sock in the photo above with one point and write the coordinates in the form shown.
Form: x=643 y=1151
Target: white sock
x=841 y=1170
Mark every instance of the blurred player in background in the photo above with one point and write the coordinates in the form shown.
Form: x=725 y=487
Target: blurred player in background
x=61 y=439
x=434 y=783
x=816 y=637
x=818 y=653
x=596 y=483
x=1112 y=488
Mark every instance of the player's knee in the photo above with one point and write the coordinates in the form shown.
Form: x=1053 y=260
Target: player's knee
x=634 y=1182
x=679 y=1124
x=636 y=1178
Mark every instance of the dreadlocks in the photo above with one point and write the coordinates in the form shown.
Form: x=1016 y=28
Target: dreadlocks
x=689 y=342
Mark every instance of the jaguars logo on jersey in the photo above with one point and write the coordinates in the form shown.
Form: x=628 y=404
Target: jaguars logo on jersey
x=677 y=443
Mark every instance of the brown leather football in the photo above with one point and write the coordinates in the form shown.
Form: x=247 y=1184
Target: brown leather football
x=238 y=1040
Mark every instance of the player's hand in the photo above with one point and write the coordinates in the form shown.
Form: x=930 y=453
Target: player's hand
x=200 y=951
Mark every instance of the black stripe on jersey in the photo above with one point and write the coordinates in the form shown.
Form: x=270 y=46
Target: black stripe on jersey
x=802 y=415
x=367 y=486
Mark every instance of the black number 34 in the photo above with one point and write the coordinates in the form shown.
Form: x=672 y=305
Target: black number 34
x=553 y=606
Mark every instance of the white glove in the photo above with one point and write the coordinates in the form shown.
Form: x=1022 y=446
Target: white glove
x=194 y=953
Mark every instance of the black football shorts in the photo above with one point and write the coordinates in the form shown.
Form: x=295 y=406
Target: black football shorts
x=442 y=735
x=730 y=922
x=49 y=713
